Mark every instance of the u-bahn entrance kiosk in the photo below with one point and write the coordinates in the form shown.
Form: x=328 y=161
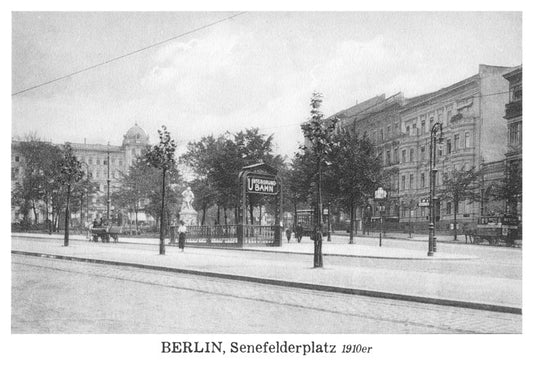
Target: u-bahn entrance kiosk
x=260 y=180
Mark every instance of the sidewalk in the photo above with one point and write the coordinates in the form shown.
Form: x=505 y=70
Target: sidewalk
x=292 y=269
x=363 y=247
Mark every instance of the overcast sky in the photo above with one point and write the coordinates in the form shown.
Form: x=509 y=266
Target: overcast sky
x=256 y=70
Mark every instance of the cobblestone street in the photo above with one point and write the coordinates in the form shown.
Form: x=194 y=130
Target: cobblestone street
x=51 y=296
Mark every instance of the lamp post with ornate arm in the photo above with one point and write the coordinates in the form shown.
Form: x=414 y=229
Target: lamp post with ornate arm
x=432 y=242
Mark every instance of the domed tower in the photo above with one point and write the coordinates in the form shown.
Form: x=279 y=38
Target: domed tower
x=135 y=140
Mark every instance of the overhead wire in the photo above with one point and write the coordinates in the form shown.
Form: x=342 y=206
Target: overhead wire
x=127 y=54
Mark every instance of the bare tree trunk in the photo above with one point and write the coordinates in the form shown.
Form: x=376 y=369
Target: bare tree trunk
x=162 y=220
x=455 y=207
x=204 y=210
x=352 y=223
x=409 y=225
x=35 y=217
x=67 y=217
x=137 y=220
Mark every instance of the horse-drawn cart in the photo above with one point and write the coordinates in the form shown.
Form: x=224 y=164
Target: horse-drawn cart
x=106 y=233
x=495 y=230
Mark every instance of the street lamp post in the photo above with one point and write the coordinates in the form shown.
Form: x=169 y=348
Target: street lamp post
x=329 y=221
x=108 y=184
x=432 y=242
x=380 y=195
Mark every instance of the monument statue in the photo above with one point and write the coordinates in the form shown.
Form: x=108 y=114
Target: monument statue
x=188 y=198
x=187 y=213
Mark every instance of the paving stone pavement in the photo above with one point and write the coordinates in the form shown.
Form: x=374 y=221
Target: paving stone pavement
x=493 y=287
x=411 y=316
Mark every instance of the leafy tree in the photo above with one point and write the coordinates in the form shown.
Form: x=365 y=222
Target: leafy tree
x=200 y=157
x=460 y=185
x=217 y=161
x=204 y=195
x=41 y=162
x=161 y=156
x=70 y=174
x=299 y=179
x=318 y=133
x=357 y=172
x=510 y=189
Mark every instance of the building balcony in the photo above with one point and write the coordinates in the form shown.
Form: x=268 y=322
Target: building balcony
x=513 y=109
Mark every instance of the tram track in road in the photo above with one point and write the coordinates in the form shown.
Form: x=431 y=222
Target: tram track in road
x=436 y=319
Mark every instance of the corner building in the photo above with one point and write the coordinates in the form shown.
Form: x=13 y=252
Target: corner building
x=474 y=133
x=473 y=130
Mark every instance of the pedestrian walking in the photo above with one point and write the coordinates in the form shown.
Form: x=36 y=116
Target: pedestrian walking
x=288 y=232
x=182 y=230
x=299 y=232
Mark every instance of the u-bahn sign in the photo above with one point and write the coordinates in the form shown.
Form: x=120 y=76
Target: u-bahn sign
x=261 y=184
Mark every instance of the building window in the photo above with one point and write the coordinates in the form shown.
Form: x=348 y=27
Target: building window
x=448 y=208
x=422 y=153
x=431 y=120
x=516 y=94
x=411 y=181
x=407 y=130
x=381 y=135
x=422 y=180
x=396 y=157
x=514 y=133
x=404 y=156
x=467 y=139
x=411 y=155
x=388 y=158
x=423 y=125
x=403 y=182
x=456 y=142
x=448 y=146
x=17 y=158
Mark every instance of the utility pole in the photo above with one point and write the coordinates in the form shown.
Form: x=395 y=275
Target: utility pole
x=432 y=240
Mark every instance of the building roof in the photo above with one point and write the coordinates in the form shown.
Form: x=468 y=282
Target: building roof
x=95 y=147
x=424 y=98
x=359 y=108
x=134 y=131
x=513 y=73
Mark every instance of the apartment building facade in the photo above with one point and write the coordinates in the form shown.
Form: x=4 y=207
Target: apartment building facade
x=473 y=130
